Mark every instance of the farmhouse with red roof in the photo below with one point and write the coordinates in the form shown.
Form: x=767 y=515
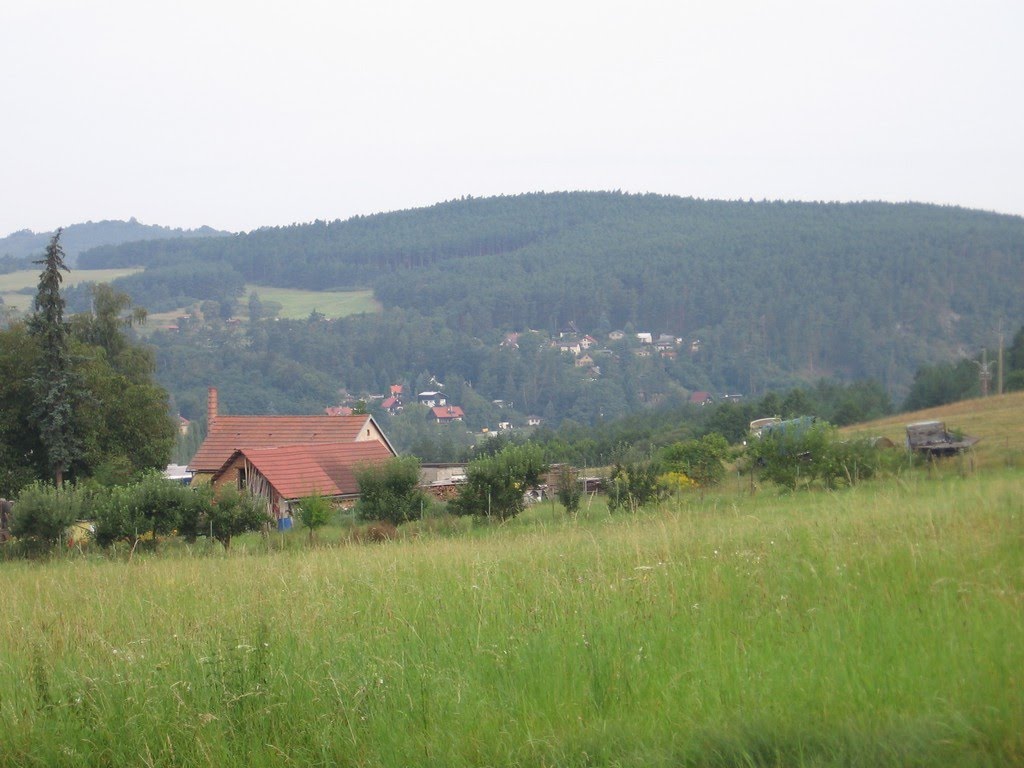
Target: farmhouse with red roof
x=289 y=473
x=322 y=448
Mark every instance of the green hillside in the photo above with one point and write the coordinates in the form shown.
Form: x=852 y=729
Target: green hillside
x=775 y=291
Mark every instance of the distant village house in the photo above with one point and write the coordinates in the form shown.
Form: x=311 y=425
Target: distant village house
x=432 y=399
x=445 y=414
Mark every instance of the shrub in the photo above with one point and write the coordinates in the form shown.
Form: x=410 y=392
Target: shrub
x=675 y=482
x=634 y=485
x=381 y=531
x=568 y=490
x=699 y=460
x=43 y=512
x=390 y=491
x=807 y=453
x=848 y=462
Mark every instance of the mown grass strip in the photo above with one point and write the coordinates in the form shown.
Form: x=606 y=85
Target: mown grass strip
x=298 y=304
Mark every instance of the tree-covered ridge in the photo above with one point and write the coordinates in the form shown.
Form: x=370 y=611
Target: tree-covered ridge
x=835 y=289
x=356 y=252
x=26 y=244
x=772 y=289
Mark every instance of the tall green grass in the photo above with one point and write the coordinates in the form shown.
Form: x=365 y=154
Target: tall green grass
x=876 y=626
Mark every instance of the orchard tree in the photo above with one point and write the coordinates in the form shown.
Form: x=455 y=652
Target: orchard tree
x=1015 y=362
x=233 y=513
x=633 y=485
x=496 y=485
x=153 y=505
x=315 y=512
x=390 y=491
x=568 y=489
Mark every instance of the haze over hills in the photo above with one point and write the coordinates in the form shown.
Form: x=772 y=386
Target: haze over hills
x=26 y=244
x=774 y=291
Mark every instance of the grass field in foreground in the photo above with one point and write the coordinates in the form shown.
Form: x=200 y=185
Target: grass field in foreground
x=27 y=278
x=877 y=626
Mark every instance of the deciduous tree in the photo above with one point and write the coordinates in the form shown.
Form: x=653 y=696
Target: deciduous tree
x=496 y=485
x=390 y=491
x=314 y=513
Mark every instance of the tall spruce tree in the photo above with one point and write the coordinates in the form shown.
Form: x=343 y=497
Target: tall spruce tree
x=54 y=382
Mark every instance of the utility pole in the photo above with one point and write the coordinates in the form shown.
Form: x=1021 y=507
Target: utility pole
x=999 y=382
x=984 y=372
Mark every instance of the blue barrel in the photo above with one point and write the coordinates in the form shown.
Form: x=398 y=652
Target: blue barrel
x=284 y=524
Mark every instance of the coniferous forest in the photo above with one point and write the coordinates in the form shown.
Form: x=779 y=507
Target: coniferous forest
x=762 y=296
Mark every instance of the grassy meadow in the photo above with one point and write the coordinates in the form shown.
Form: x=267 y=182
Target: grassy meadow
x=13 y=282
x=298 y=304
x=881 y=625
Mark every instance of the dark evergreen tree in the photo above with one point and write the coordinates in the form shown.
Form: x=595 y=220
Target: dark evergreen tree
x=54 y=385
x=1014 y=362
x=941 y=384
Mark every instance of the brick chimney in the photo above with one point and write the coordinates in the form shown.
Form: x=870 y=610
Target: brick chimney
x=211 y=405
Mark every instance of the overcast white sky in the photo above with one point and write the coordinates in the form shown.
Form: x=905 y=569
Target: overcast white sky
x=244 y=114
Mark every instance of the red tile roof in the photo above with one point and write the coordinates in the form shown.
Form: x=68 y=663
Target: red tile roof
x=229 y=433
x=447 y=412
x=296 y=471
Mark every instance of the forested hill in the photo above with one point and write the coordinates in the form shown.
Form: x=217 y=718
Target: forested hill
x=771 y=288
x=76 y=238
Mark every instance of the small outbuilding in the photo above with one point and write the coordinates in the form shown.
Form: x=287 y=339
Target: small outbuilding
x=932 y=437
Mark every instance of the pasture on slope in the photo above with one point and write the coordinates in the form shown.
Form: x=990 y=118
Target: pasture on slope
x=298 y=304
x=875 y=626
x=13 y=282
x=998 y=420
